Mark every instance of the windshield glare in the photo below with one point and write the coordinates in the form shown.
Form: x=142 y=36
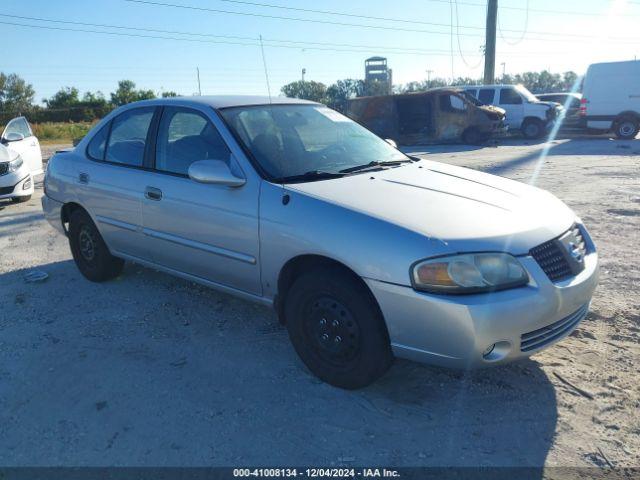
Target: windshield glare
x=291 y=140
x=530 y=97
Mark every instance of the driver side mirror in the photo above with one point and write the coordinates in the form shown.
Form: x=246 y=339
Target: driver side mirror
x=13 y=137
x=215 y=172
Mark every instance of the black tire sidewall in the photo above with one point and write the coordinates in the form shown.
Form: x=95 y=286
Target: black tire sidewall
x=374 y=356
x=537 y=123
x=621 y=136
x=103 y=266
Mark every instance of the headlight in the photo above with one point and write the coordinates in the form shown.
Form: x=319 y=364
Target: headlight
x=15 y=164
x=468 y=273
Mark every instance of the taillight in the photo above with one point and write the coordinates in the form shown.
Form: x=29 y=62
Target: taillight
x=583 y=106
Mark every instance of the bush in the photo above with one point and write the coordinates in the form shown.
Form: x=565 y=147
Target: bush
x=61 y=131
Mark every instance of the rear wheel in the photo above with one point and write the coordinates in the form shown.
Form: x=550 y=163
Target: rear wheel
x=337 y=329
x=89 y=251
x=533 y=128
x=627 y=128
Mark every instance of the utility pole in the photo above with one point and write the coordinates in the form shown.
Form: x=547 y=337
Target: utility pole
x=304 y=70
x=490 y=43
x=429 y=72
x=199 y=88
x=504 y=67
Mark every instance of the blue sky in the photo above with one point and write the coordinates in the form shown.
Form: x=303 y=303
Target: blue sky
x=599 y=30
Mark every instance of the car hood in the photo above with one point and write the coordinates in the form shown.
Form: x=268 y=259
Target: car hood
x=544 y=103
x=6 y=154
x=466 y=209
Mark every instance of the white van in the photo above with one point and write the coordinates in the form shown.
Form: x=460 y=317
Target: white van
x=525 y=112
x=611 y=98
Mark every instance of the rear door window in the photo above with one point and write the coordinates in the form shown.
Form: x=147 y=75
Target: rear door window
x=486 y=95
x=128 y=137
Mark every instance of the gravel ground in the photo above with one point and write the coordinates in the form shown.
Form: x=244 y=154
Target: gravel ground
x=153 y=370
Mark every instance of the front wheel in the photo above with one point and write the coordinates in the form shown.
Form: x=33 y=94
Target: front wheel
x=627 y=128
x=337 y=329
x=89 y=251
x=533 y=128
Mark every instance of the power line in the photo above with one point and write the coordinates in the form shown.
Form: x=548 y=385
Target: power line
x=295 y=19
x=357 y=25
x=233 y=37
x=396 y=19
x=161 y=37
x=464 y=60
x=524 y=30
x=539 y=10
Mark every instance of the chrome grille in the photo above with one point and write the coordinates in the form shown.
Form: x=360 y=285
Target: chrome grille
x=4 y=168
x=544 y=336
x=562 y=257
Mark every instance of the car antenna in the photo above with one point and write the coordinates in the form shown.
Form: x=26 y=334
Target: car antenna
x=285 y=195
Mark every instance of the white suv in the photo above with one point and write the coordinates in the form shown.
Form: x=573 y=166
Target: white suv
x=524 y=111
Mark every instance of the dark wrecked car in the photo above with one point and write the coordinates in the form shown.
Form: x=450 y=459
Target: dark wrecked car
x=437 y=115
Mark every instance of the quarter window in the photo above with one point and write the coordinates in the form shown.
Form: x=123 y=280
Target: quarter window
x=129 y=136
x=98 y=143
x=186 y=136
x=508 y=96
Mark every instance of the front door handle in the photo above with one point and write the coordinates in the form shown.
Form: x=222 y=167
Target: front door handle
x=83 y=178
x=153 y=193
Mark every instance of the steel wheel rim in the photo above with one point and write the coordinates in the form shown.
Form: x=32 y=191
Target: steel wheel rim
x=626 y=128
x=331 y=330
x=87 y=244
x=532 y=130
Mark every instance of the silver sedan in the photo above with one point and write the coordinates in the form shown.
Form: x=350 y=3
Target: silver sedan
x=364 y=252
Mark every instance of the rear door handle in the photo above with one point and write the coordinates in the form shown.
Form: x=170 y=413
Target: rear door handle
x=153 y=193
x=83 y=178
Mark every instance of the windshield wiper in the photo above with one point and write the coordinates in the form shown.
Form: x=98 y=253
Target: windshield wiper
x=310 y=176
x=374 y=166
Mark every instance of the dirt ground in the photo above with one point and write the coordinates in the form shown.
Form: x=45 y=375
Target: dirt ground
x=153 y=370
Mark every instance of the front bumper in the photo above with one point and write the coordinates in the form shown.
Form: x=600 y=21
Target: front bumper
x=455 y=331
x=16 y=184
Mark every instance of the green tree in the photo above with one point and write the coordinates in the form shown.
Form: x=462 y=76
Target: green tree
x=127 y=93
x=307 y=90
x=169 y=94
x=63 y=98
x=16 y=95
x=341 y=91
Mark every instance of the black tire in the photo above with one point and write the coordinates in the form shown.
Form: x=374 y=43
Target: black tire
x=24 y=199
x=532 y=128
x=626 y=128
x=337 y=329
x=89 y=251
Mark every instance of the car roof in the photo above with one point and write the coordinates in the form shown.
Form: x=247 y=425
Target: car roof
x=467 y=87
x=227 y=101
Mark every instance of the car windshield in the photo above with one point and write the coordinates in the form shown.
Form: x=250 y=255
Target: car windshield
x=530 y=97
x=291 y=141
